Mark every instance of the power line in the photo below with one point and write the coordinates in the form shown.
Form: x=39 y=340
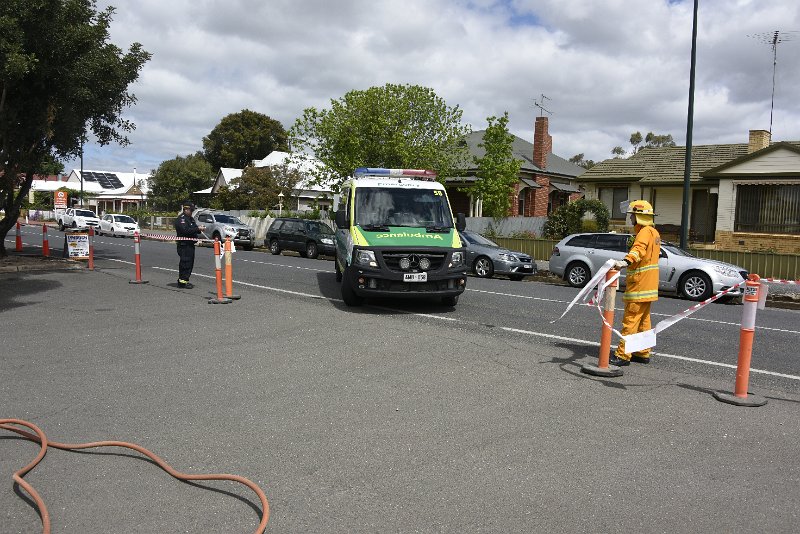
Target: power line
x=773 y=38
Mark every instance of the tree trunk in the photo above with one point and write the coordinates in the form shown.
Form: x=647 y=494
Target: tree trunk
x=12 y=206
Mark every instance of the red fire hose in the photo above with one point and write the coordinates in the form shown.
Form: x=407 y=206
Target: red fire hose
x=40 y=438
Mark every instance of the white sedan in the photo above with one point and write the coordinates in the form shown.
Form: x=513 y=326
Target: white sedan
x=116 y=224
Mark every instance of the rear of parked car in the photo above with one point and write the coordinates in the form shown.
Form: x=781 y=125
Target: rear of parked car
x=486 y=258
x=309 y=238
x=577 y=257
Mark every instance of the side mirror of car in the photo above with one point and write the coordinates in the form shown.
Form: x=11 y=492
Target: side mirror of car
x=341 y=219
x=461 y=222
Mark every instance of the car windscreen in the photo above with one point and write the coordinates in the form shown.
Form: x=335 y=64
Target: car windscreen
x=227 y=219
x=124 y=219
x=478 y=239
x=672 y=249
x=320 y=228
x=85 y=213
x=419 y=208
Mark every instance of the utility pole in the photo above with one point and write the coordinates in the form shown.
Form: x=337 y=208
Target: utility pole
x=687 y=162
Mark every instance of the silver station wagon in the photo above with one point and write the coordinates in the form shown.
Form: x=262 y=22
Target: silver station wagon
x=578 y=256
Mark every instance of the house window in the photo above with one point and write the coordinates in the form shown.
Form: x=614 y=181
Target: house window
x=612 y=197
x=522 y=202
x=770 y=209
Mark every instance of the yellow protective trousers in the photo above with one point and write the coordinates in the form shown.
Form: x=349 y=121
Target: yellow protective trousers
x=636 y=319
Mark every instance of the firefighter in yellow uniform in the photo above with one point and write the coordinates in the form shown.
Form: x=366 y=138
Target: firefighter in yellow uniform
x=641 y=280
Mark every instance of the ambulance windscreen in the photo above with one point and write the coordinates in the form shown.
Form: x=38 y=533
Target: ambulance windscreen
x=416 y=208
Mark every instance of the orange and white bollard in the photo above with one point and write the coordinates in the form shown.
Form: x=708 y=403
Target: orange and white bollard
x=136 y=240
x=19 y=238
x=609 y=300
x=229 y=271
x=740 y=396
x=91 y=248
x=45 y=242
x=218 y=266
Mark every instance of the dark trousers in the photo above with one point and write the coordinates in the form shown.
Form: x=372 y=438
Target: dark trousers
x=186 y=264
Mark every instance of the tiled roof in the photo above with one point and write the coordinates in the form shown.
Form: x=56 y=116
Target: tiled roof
x=663 y=164
x=523 y=151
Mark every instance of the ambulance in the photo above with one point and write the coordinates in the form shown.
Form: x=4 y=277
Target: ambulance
x=396 y=237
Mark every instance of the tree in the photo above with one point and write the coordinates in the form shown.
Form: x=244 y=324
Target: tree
x=568 y=219
x=395 y=126
x=578 y=160
x=176 y=179
x=58 y=76
x=258 y=188
x=50 y=166
x=618 y=152
x=239 y=138
x=498 y=170
x=651 y=140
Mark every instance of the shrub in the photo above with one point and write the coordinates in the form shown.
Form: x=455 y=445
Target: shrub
x=568 y=219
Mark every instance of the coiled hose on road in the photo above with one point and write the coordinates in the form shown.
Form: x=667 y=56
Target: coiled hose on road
x=40 y=438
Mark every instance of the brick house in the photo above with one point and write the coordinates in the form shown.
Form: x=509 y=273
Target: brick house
x=742 y=196
x=546 y=181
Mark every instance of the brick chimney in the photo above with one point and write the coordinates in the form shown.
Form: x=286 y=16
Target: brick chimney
x=542 y=143
x=758 y=139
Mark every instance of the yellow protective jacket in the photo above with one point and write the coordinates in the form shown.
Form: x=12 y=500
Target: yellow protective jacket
x=641 y=278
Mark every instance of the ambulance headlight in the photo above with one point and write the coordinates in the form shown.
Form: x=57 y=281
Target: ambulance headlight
x=457 y=259
x=366 y=257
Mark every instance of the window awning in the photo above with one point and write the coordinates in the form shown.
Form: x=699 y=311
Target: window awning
x=530 y=183
x=566 y=188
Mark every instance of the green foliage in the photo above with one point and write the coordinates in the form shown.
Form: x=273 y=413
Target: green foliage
x=258 y=188
x=578 y=160
x=651 y=140
x=59 y=75
x=395 y=126
x=242 y=137
x=568 y=219
x=498 y=170
x=50 y=166
x=176 y=179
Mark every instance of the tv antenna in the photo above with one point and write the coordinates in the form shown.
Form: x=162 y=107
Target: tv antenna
x=773 y=38
x=540 y=105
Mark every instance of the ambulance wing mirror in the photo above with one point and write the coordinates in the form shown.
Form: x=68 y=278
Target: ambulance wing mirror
x=341 y=219
x=461 y=222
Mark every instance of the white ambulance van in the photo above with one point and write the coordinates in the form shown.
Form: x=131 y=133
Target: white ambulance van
x=396 y=237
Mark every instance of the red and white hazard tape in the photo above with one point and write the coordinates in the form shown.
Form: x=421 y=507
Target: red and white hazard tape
x=167 y=237
x=778 y=281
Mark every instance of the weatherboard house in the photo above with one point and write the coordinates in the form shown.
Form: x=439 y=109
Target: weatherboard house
x=107 y=191
x=743 y=196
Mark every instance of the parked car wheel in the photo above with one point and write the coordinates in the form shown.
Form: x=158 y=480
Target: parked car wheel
x=696 y=285
x=483 y=267
x=311 y=250
x=74 y=224
x=274 y=247
x=577 y=274
x=61 y=226
x=450 y=301
x=338 y=271
x=348 y=295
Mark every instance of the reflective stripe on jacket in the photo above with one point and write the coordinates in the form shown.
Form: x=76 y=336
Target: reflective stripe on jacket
x=641 y=278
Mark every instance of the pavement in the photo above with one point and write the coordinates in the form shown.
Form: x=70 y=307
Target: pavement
x=362 y=420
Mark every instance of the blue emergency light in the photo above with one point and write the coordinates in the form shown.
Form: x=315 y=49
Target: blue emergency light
x=380 y=171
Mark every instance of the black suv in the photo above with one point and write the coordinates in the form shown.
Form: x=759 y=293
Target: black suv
x=309 y=238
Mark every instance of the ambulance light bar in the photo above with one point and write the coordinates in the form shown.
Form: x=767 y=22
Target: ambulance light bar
x=419 y=174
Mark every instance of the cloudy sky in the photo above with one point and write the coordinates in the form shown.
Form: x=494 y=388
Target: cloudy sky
x=607 y=68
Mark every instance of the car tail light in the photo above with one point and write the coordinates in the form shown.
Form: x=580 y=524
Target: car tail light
x=556 y=252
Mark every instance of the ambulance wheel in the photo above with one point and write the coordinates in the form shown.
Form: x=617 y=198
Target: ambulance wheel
x=696 y=285
x=450 y=301
x=338 y=271
x=577 y=274
x=483 y=267
x=348 y=295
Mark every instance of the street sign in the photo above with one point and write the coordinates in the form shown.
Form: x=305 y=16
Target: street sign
x=77 y=246
x=60 y=199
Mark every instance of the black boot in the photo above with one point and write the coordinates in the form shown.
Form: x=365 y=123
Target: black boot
x=640 y=359
x=619 y=362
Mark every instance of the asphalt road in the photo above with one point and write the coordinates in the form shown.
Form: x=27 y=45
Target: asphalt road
x=395 y=417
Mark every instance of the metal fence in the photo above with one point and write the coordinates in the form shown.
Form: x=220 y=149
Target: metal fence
x=765 y=264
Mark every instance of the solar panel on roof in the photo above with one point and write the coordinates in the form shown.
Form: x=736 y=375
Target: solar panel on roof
x=89 y=176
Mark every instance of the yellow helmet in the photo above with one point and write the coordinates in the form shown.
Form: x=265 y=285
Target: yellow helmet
x=644 y=212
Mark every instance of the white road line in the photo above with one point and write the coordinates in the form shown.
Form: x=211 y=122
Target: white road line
x=288 y=266
x=660 y=354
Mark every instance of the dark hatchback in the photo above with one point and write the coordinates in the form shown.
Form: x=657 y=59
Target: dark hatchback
x=309 y=238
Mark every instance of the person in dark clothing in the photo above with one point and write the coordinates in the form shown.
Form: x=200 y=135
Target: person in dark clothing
x=185 y=226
